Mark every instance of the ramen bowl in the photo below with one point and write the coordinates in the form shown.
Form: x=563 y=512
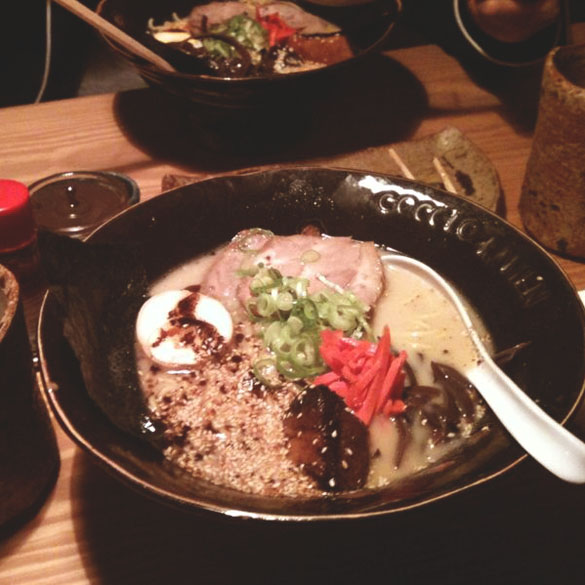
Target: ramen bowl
x=518 y=290
x=224 y=110
x=366 y=26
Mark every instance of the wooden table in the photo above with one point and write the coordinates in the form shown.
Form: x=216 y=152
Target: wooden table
x=525 y=527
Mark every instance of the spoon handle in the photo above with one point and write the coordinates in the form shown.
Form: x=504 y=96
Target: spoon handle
x=541 y=436
x=551 y=444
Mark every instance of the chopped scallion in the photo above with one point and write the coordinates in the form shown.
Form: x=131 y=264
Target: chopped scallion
x=292 y=319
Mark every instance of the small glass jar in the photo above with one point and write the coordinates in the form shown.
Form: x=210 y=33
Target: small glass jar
x=18 y=245
x=77 y=202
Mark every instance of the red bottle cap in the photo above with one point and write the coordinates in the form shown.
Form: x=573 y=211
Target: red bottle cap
x=17 y=226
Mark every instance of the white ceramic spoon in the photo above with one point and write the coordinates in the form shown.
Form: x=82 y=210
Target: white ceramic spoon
x=543 y=438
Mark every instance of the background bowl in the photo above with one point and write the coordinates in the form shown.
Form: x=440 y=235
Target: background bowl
x=365 y=25
x=514 y=284
x=253 y=113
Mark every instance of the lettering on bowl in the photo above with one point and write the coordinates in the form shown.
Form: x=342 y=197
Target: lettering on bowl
x=492 y=249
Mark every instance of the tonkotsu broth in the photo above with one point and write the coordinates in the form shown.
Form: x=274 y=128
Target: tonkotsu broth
x=422 y=321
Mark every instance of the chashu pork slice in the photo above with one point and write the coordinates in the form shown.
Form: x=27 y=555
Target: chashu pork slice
x=224 y=276
x=205 y=16
x=294 y=16
x=325 y=261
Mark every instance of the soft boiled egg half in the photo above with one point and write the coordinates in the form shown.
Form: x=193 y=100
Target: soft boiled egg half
x=181 y=328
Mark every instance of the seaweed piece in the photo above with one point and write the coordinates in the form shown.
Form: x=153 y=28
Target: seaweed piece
x=404 y=438
x=441 y=408
x=457 y=386
x=100 y=288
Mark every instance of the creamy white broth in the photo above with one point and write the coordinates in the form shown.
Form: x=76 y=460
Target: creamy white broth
x=422 y=322
x=425 y=324
x=187 y=274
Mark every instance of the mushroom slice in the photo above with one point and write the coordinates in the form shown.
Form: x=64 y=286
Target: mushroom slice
x=327 y=441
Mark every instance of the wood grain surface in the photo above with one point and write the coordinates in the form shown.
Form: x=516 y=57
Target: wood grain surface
x=524 y=527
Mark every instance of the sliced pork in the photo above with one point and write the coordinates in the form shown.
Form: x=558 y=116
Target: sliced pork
x=304 y=22
x=327 y=262
x=224 y=276
x=202 y=17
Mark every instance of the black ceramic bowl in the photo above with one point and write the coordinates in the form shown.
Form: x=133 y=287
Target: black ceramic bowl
x=514 y=284
x=365 y=25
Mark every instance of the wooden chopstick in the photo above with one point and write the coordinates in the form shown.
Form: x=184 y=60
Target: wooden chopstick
x=114 y=33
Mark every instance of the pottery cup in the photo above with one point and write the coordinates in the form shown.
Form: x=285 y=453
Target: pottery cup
x=552 y=203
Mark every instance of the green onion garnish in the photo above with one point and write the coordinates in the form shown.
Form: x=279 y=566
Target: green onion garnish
x=292 y=320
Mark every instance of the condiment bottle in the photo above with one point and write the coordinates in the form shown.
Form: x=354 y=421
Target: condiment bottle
x=18 y=234
x=19 y=250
